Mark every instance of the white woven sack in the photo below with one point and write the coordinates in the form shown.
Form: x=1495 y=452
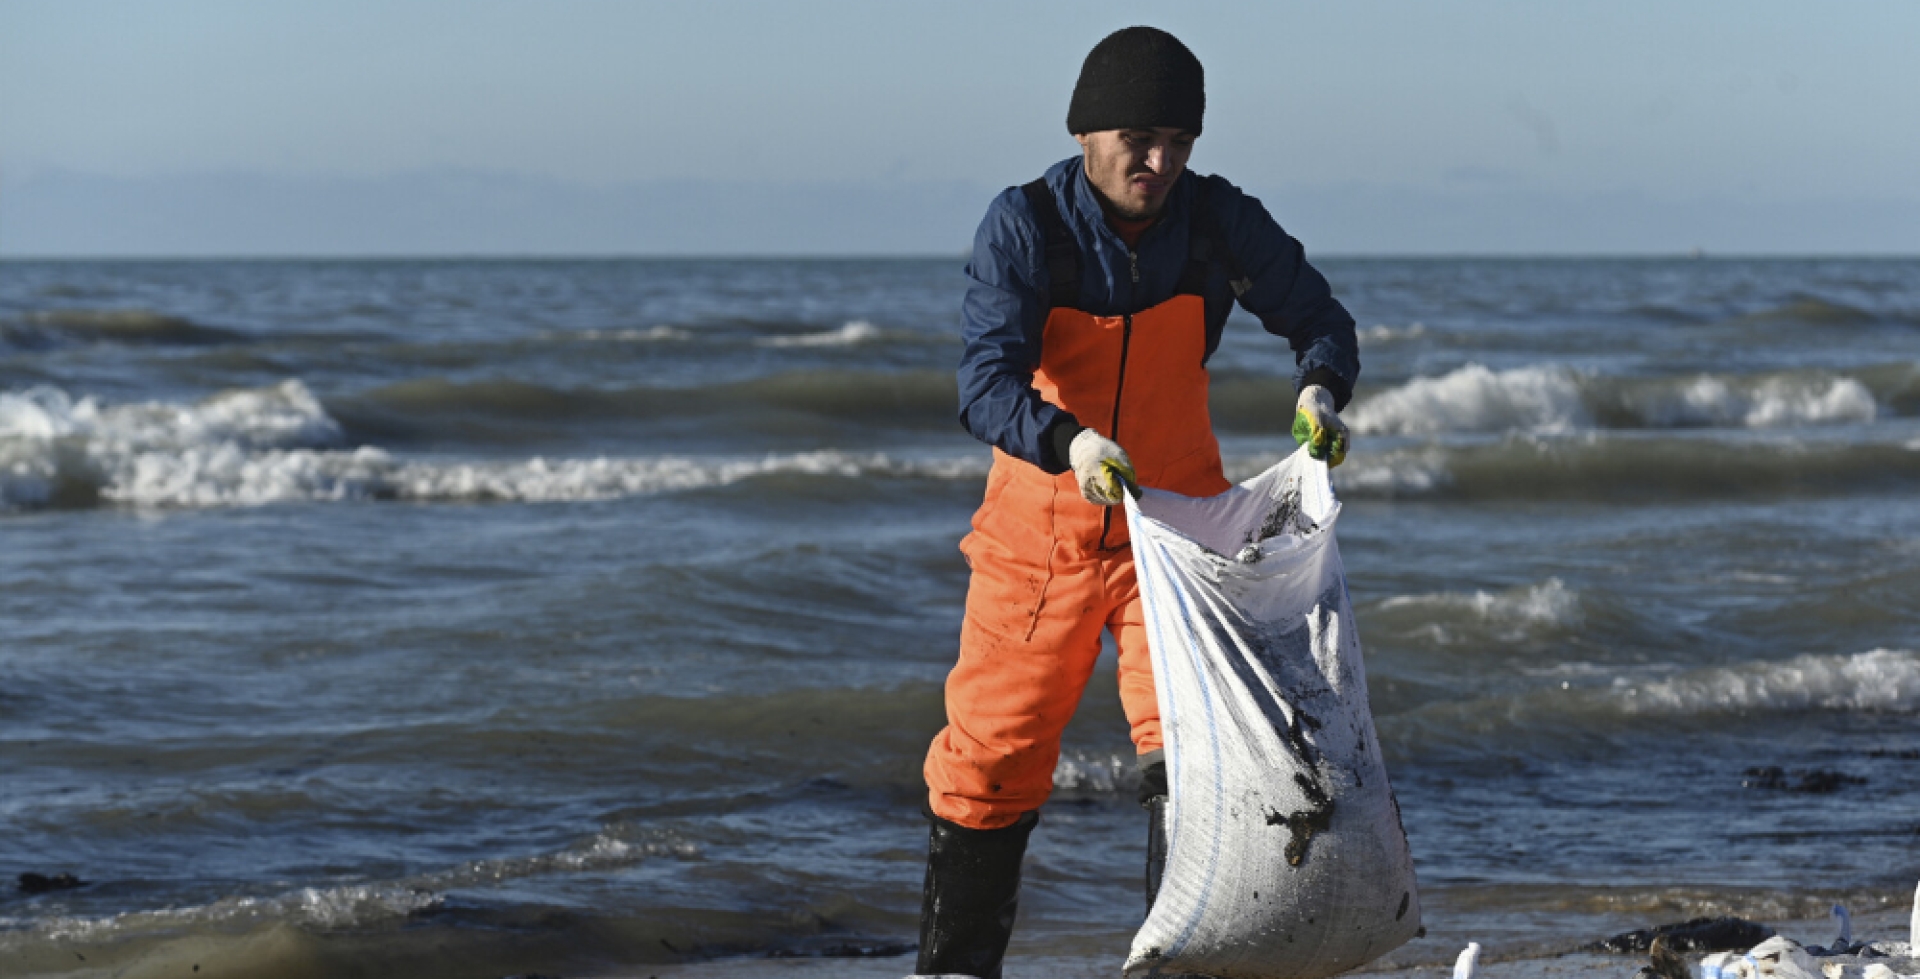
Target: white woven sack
x=1286 y=856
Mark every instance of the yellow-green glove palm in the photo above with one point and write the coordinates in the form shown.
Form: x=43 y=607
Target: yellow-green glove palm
x=1318 y=427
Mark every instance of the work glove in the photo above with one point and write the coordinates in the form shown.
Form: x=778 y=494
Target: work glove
x=1318 y=427
x=1101 y=467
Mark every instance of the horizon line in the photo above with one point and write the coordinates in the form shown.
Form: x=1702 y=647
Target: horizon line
x=1684 y=255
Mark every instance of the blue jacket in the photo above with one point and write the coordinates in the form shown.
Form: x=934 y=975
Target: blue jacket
x=1005 y=310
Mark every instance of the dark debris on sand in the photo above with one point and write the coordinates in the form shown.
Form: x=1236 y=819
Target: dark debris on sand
x=1694 y=935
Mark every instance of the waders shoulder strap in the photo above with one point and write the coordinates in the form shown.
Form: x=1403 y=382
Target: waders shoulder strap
x=1207 y=244
x=1063 y=256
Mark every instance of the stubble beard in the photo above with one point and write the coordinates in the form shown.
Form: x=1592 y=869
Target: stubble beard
x=1145 y=212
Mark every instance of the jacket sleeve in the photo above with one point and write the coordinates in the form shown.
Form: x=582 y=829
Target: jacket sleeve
x=1002 y=318
x=1291 y=297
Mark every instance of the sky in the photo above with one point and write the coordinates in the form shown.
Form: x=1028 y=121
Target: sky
x=1368 y=127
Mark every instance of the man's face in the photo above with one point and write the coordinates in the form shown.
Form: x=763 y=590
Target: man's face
x=1133 y=169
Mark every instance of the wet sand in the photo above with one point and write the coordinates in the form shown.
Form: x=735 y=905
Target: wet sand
x=1051 y=967
x=1431 y=956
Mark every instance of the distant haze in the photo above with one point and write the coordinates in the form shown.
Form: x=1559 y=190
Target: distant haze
x=350 y=128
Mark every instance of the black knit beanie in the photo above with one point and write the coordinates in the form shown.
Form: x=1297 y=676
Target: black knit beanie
x=1138 y=78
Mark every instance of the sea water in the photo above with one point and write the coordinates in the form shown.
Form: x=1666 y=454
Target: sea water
x=479 y=618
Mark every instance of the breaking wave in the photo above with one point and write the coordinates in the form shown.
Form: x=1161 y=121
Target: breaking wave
x=226 y=475
x=1508 y=615
x=1475 y=399
x=285 y=414
x=350 y=905
x=1551 y=400
x=278 y=444
x=1385 y=333
x=651 y=334
x=1777 y=401
x=855 y=332
x=539 y=480
x=1082 y=773
x=331 y=907
x=1879 y=680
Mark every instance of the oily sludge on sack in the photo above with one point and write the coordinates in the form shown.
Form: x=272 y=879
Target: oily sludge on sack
x=1286 y=855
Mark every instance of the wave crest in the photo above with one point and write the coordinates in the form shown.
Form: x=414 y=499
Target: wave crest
x=1548 y=400
x=1509 y=616
x=356 y=905
x=56 y=449
x=540 y=481
x=285 y=414
x=1778 y=401
x=274 y=445
x=226 y=475
x=255 y=447
x=850 y=334
x=1878 y=680
x=1475 y=399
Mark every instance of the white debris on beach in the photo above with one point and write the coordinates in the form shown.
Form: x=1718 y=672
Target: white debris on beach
x=1784 y=958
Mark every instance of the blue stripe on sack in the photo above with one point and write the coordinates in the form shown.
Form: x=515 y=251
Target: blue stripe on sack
x=1157 y=649
x=1213 y=745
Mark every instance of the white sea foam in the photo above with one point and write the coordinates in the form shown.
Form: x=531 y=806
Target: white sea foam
x=630 y=335
x=355 y=905
x=1553 y=400
x=1772 y=402
x=227 y=475
x=1475 y=399
x=1511 y=616
x=26 y=479
x=1383 y=333
x=269 y=446
x=223 y=476
x=540 y=480
x=38 y=413
x=855 y=332
x=330 y=907
x=1090 y=773
x=1550 y=603
x=603 y=851
x=1879 y=680
x=190 y=453
x=286 y=414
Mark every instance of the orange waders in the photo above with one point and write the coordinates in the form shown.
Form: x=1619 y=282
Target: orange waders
x=1050 y=570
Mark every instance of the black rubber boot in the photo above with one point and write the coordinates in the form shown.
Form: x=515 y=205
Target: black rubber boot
x=973 y=887
x=1153 y=798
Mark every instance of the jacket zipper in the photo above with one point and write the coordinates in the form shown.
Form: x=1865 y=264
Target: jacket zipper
x=1120 y=384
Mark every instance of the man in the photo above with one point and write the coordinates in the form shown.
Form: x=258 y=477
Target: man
x=1095 y=297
